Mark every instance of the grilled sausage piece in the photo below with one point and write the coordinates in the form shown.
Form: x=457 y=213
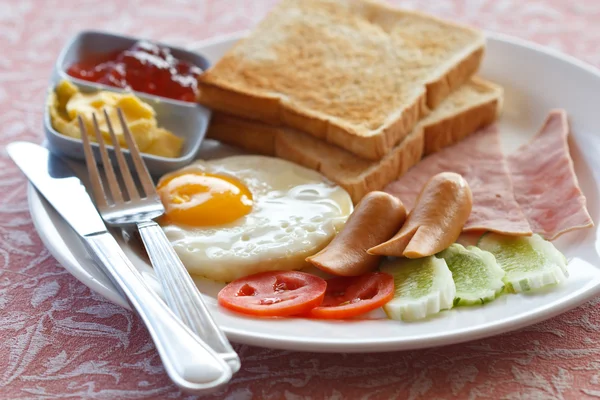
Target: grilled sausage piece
x=441 y=210
x=375 y=219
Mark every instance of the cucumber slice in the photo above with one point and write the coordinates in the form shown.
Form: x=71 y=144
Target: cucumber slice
x=477 y=275
x=530 y=262
x=422 y=287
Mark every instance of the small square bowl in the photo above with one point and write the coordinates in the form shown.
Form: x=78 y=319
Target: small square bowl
x=185 y=119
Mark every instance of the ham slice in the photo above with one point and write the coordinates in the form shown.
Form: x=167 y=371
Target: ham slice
x=545 y=183
x=534 y=190
x=479 y=159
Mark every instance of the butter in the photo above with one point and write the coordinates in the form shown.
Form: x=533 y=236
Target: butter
x=67 y=102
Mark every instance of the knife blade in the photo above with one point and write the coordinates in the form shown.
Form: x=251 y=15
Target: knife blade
x=190 y=363
x=59 y=185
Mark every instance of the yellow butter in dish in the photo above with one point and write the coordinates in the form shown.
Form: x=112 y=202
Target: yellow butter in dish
x=67 y=102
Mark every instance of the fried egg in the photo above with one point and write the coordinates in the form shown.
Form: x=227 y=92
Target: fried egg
x=240 y=215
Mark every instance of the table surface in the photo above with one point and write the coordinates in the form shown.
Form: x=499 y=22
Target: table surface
x=58 y=339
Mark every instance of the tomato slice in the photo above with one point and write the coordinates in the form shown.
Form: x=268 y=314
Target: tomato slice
x=274 y=293
x=347 y=297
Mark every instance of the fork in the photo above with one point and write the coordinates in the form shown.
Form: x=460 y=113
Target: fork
x=181 y=294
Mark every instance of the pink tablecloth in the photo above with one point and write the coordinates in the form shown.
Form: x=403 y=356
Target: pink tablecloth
x=59 y=340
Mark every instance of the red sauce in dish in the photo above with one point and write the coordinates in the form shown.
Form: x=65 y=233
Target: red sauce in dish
x=145 y=67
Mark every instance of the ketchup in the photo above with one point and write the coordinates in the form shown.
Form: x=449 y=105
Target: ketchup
x=145 y=67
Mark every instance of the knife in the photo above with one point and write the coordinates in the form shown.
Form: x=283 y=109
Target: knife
x=189 y=362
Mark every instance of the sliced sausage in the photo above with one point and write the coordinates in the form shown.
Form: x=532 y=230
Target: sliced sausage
x=441 y=210
x=375 y=219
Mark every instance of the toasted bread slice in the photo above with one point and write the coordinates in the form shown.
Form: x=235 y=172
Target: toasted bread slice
x=355 y=73
x=474 y=105
x=240 y=132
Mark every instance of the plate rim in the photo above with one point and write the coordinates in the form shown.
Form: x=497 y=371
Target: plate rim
x=243 y=336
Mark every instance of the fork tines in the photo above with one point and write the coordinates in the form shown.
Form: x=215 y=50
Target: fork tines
x=114 y=188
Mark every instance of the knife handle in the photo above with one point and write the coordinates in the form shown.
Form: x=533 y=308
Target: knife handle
x=182 y=294
x=188 y=361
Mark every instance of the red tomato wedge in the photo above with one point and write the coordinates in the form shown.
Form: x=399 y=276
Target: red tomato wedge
x=274 y=293
x=348 y=297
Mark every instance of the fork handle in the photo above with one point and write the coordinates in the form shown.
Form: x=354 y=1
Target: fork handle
x=189 y=362
x=182 y=294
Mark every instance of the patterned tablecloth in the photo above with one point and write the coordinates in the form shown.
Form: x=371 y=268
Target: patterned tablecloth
x=60 y=340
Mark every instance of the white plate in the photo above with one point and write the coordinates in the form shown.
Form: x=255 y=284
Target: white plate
x=536 y=80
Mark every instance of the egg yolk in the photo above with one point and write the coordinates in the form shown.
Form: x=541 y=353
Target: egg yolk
x=199 y=199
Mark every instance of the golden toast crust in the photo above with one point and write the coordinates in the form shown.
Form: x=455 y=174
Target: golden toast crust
x=473 y=106
x=357 y=73
x=472 y=112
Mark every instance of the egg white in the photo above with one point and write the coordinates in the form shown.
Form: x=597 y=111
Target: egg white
x=295 y=213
